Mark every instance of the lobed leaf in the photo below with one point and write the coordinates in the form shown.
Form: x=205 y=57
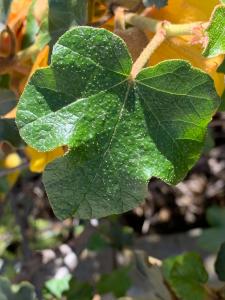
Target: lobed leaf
x=186 y=276
x=216 y=33
x=120 y=131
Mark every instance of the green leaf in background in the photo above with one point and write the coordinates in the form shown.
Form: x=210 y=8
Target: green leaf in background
x=4 y=81
x=4 y=8
x=4 y=187
x=7 y=101
x=220 y=263
x=186 y=276
x=212 y=238
x=157 y=3
x=79 y=290
x=32 y=27
x=9 y=132
x=120 y=131
x=216 y=33
x=117 y=282
x=58 y=286
x=216 y=216
x=149 y=279
x=23 y=291
x=36 y=33
x=97 y=242
x=222 y=1
x=64 y=14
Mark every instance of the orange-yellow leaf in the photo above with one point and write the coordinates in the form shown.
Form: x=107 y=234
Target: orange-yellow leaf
x=12 y=160
x=41 y=60
x=184 y=11
x=39 y=160
x=18 y=10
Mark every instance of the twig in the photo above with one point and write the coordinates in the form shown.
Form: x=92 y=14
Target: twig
x=109 y=15
x=150 y=24
x=155 y=42
x=212 y=294
x=119 y=20
x=148 y=10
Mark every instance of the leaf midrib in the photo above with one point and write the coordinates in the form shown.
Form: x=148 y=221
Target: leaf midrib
x=107 y=149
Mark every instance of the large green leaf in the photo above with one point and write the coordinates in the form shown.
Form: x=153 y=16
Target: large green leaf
x=186 y=276
x=120 y=131
x=216 y=33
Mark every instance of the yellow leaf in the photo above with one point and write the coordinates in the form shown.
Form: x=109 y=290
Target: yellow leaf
x=18 y=11
x=41 y=60
x=39 y=160
x=184 y=11
x=12 y=160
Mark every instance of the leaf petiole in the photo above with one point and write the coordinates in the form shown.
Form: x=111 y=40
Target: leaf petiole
x=152 y=25
x=155 y=42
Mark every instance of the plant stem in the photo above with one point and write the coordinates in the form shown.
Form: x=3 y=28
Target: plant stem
x=150 y=24
x=119 y=21
x=155 y=42
x=163 y=30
